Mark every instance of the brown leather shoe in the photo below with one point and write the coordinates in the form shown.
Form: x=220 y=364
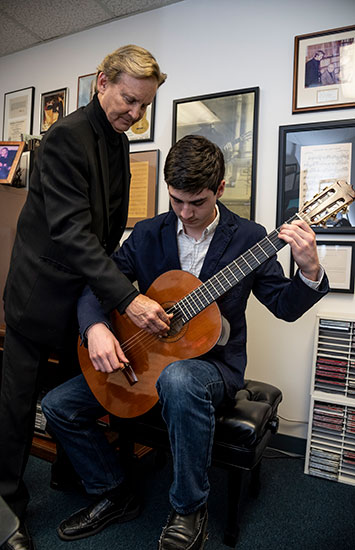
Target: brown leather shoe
x=185 y=532
x=21 y=540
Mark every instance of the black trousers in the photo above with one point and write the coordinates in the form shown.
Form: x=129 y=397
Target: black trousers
x=25 y=370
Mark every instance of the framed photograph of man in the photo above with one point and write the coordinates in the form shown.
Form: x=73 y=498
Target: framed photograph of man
x=229 y=119
x=324 y=70
x=86 y=89
x=10 y=154
x=53 y=107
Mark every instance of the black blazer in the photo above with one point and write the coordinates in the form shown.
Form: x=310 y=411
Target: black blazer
x=63 y=240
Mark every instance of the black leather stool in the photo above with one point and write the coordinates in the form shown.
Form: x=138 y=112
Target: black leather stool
x=242 y=433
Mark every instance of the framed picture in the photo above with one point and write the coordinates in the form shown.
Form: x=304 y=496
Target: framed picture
x=229 y=119
x=312 y=157
x=143 y=191
x=143 y=130
x=338 y=260
x=10 y=154
x=86 y=89
x=18 y=114
x=324 y=70
x=53 y=107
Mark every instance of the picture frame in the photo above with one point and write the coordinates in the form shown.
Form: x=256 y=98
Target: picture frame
x=338 y=260
x=143 y=130
x=86 y=89
x=25 y=166
x=230 y=120
x=10 y=154
x=144 y=167
x=18 y=114
x=311 y=157
x=53 y=107
x=324 y=70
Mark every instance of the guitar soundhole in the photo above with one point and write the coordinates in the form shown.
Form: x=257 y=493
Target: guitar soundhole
x=177 y=326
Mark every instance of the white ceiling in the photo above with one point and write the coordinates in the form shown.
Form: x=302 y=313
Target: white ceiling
x=25 y=23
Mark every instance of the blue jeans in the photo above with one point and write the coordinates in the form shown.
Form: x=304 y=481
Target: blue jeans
x=189 y=391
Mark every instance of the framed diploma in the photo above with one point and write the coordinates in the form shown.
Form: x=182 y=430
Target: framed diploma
x=143 y=190
x=312 y=157
x=18 y=114
x=338 y=260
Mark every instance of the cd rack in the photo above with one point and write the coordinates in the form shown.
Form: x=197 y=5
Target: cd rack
x=331 y=432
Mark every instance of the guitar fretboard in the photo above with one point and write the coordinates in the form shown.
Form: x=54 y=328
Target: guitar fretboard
x=232 y=274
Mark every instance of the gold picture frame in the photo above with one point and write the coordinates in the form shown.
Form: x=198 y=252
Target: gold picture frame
x=10 y=154
x=143 y=190
x=324 y=68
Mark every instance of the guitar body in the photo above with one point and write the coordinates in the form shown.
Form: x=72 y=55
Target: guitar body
x=148 y=354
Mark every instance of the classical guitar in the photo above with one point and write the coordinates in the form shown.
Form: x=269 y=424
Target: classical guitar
x=196 y=323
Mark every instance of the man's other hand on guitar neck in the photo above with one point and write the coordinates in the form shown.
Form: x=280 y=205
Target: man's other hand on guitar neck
x=302 y=241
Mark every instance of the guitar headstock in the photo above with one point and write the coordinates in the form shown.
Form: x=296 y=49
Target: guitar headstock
x=328 y=203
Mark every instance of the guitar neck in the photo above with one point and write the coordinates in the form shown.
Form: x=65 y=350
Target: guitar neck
x=229 y=276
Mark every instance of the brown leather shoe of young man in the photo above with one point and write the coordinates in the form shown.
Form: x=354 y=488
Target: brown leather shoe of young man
x=20 y=540
x=188 y=532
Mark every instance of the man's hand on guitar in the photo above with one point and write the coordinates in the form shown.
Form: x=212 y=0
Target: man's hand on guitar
x=104 y=350
x=302 y=240
x=148 y=315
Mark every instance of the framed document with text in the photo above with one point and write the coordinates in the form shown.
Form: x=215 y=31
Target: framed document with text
x=143 y=190
x=18 y=114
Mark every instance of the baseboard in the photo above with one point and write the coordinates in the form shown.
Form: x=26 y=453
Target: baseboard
x=288 y=443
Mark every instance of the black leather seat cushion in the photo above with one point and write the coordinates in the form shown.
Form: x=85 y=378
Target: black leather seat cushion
x=246 y=422
x=242 y=430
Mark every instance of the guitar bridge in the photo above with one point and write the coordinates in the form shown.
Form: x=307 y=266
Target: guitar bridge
x=129 y=374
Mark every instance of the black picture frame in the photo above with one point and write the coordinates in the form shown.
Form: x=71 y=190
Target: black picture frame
x=324 y=70
x=53 y=106
x=311 y=157
x=18 y=114
x=338 y=259
x=143 y=130
x=86 y=89
x=229 y=119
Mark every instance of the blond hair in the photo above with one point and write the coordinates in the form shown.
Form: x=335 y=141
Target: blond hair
x=132 y=60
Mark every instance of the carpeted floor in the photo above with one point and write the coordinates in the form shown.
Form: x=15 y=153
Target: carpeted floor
x=294 y=511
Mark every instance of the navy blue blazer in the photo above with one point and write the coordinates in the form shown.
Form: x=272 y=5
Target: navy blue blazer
x=152 y=250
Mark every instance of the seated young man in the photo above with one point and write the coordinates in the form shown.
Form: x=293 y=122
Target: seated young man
x=199 y=235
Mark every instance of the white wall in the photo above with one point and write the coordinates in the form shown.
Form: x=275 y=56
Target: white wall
x=209 y=46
